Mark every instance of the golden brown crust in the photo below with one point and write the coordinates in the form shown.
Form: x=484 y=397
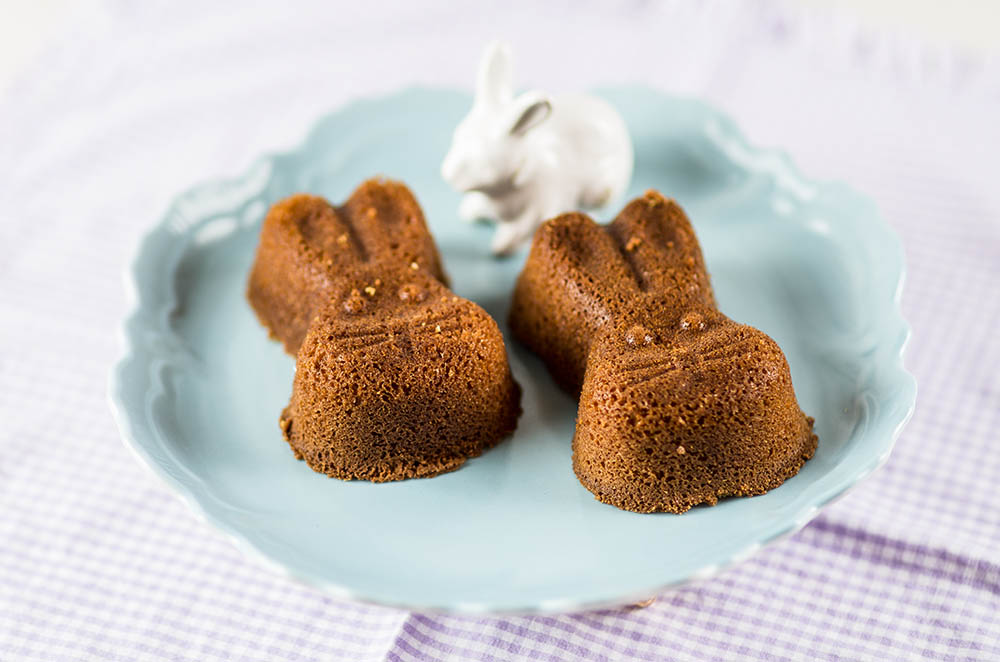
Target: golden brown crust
x=396 y=377
x=679 y=405
x=307 y=245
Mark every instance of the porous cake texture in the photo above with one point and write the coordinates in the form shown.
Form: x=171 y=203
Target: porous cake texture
x=679 y=405
x=396 y=377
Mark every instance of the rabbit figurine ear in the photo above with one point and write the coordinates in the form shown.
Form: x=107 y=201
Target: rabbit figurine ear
x=494 y=87
x=530 y=110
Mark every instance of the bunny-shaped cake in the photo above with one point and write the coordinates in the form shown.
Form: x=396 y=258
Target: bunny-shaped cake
x=521 y=160
x=679 y=405
x=308 y=246
x=395 y=376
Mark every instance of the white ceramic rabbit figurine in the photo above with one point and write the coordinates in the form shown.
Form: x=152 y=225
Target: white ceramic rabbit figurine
x=523 y=160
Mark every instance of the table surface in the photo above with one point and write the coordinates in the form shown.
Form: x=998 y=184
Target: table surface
x=138 y=102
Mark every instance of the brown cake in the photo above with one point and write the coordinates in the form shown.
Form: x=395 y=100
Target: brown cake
x=395 y=376
x=307 y=246
x=679 y=405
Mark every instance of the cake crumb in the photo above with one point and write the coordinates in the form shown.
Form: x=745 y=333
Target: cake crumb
x=412 y=292
x=639 y=336
x=693 y=320
x=370 y=291
x=354 y=303
x=633 y=244
x=437 y=329
x=414 y=266
x=342 y=239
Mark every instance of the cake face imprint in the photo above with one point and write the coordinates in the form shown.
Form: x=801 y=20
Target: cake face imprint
x=396 y=377
x=679 y=405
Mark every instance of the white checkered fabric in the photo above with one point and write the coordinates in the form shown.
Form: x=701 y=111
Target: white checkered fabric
x=139 y=101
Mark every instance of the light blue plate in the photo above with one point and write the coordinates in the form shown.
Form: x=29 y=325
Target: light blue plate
x=199 y=389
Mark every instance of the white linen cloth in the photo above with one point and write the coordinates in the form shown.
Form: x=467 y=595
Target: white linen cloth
x=139 y=101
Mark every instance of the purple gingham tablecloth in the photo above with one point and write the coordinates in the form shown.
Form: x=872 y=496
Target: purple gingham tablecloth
x=138 y=101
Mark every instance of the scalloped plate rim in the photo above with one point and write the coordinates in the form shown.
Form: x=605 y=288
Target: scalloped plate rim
x=903 y=382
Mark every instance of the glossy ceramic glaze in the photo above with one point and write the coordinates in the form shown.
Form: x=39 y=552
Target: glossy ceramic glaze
x=525 y=159
x=199 y=388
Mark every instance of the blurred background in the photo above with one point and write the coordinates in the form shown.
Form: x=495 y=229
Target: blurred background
x=110 y=108
x=969 y=25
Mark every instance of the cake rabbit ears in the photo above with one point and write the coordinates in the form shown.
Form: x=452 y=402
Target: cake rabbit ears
x=495 y=92
x=649 y=249
x=366 y=229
